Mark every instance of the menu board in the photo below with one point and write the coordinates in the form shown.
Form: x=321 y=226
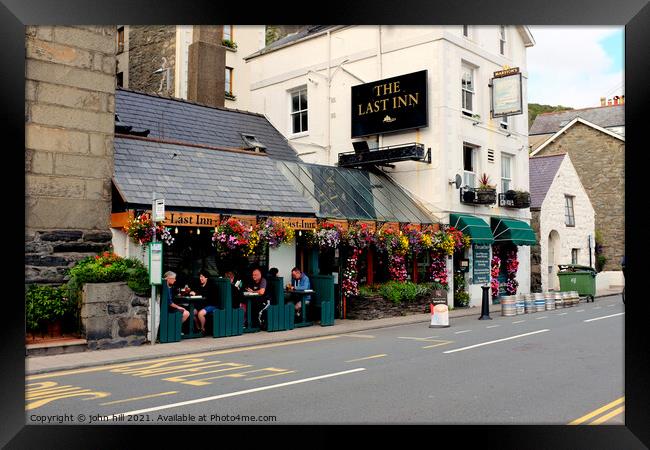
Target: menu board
x=481 y=266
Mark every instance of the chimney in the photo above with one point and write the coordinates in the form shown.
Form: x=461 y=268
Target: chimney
x=207 y=66
x=602 y=101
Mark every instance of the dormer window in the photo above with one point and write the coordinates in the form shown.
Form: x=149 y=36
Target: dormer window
x=251 y=143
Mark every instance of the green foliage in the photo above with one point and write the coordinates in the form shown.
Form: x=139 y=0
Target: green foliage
x=107 y=268
x=46 y=303
x=601 y=260
x=230 y=44
x=399 y=291
x=461 y=296
x=534 y=109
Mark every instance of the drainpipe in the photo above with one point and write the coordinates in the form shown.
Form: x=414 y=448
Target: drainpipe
x=329 y=98
x=380 y=138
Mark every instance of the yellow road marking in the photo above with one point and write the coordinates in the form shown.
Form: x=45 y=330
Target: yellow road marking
x=439 y=344
x=608 y=416
x=173 y=358
x=363 y=336
x=139 y=398
x=367 y=357
x=600 y=410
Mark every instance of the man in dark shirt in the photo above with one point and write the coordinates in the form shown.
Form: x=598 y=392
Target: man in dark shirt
x=259 y=286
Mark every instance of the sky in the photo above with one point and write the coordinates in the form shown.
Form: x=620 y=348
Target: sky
x=575 y=66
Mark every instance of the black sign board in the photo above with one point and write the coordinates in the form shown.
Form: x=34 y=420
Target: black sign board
x=391 y=104
x=482 y=265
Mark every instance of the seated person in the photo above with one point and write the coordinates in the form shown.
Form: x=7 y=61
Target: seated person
x=170 y=279
x=273 y=272
x=300 y=282
x=259 y=286
x=207 y=291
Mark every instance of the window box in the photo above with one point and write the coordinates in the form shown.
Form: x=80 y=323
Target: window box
x=229 y=44
x=515 y=199
x=478 y=196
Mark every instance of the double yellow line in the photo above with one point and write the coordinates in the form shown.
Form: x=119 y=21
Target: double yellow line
x=609 y=411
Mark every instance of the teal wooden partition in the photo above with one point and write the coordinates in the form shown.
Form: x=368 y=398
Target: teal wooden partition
x=279 y=315
x=226 y=320
x=323 y=285
x=170 y=322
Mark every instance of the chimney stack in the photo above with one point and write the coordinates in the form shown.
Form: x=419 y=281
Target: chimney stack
x=602 y=101
x=207 y=66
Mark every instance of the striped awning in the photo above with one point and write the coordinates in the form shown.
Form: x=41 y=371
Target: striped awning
x=476 y=228
x=510 y=230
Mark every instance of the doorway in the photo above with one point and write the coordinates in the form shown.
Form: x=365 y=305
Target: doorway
x=553 y=282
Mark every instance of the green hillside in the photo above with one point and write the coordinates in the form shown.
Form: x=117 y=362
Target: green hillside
x=535 y=108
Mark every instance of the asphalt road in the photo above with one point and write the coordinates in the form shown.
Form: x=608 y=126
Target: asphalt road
x=552 y=367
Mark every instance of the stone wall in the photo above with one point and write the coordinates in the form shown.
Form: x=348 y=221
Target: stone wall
x=599 y=160
x=69 y=123
x=367 y=308
x=535 y=255
x=113 y=316
x=148 y=44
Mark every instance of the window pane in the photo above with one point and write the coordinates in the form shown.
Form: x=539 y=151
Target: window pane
x=303 y=99
x=227 y=32
x=303 y=119
x=505 y=185
x=505 y=166
x=294 y=102
x=296 y=123
x=468 y=163
x=468 y=179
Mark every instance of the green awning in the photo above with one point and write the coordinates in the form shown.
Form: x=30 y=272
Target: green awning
x=475 y=227
x=514 y=231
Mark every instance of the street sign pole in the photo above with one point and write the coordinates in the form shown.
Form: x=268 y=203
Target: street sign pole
x=153 y=286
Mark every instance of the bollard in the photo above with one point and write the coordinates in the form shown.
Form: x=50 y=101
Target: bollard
x=485 y=308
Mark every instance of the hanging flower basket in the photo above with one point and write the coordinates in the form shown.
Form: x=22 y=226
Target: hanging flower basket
x=350 y=284
x=233 y=236
x=141 y=230
x=328 y=235
x=358 y=236
x=274 y=233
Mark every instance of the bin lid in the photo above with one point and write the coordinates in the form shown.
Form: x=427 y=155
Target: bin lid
x=575 y=268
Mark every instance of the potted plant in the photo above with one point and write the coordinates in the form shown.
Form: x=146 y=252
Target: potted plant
x=230 y=44
x=511 y=194
x=46 y=306
x=468 y=195
x=486 y=192
x=522 y=199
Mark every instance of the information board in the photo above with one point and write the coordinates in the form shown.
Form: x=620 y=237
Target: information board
x=481 y=266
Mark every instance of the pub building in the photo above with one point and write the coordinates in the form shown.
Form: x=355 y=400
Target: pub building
x=210 y=164
x=434 y=108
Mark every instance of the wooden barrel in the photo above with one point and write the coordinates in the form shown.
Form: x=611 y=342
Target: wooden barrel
x=540 y=305
x=529 y=303
x=567 y=299
x=520 y=303
x=549 y=301
x=509 y=305
x=559 y=303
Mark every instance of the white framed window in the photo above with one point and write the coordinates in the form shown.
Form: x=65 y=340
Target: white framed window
x=227 y=32
x=506 y=172
x=299 y=111
x=503 y=122
x=569 y=216
x=229 y=80
x=467 y=89
x=574 y=255
x=469 y=165
x=502 y=39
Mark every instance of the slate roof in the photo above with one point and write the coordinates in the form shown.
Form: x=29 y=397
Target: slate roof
x=603 y=116
x=542 y=170
x=308 y=31
x=221 y=181
x=179 y=120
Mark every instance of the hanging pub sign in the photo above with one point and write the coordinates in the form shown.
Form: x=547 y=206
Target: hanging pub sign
x=507 y=99
x=391 y=104
x=190 y=219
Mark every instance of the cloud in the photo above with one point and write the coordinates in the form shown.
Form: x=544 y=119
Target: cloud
x=569 y=66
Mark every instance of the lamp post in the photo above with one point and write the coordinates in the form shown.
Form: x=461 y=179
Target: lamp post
x=485 y=308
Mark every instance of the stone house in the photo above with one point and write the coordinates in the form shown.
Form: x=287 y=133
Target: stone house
x=563 y=218
x=193 y=62
x=598 y=155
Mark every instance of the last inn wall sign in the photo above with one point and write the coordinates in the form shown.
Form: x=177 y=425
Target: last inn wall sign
x=389 y=105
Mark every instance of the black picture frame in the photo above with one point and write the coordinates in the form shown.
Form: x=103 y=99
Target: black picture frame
x=634 y=14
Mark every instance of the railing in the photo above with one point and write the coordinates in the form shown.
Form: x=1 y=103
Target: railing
x=478 y=196
x=515 y=200
x=385 y=155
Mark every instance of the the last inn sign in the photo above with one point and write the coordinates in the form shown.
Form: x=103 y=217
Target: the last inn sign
x=392 y=104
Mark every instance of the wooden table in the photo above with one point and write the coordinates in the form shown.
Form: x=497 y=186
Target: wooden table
x=250 y=296
x=301 y=294
x=190 y=301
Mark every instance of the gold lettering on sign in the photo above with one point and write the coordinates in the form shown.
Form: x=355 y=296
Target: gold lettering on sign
x=190 y=219
x=298 y=223
x=403 y=100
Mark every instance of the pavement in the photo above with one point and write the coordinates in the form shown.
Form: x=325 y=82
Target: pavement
x=44 y=364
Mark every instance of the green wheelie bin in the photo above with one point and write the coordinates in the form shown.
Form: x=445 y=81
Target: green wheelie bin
x=581 y=279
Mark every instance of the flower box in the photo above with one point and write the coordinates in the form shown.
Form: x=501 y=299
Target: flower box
x=377 y=307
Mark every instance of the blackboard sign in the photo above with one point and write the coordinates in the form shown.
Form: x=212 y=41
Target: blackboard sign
x=481 y=266
x=391 y=104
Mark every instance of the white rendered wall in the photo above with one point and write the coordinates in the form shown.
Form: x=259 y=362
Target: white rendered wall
x=566 y=182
